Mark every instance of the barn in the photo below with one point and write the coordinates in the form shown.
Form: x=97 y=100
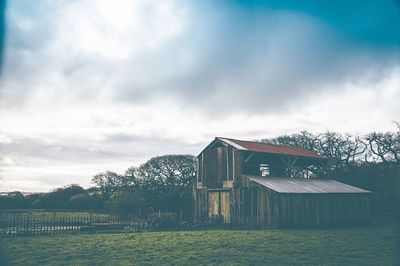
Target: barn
x=260 y=185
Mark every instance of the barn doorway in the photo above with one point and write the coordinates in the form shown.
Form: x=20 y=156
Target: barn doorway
x=219 y=206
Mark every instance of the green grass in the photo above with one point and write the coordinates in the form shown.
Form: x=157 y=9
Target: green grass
x=50 y=214
x=352 y=246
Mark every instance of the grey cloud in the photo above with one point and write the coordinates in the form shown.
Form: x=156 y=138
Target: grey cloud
x=28 y=151
x=33 y=152
x=253 y=64
x=226 y=60
x=148 y=146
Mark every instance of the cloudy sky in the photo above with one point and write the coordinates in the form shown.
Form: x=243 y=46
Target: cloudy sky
x=88 y=86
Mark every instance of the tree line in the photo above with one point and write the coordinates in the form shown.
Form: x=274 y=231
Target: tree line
x=164 y=183
x=371 y=161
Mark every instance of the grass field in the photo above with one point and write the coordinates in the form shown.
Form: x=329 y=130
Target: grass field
x=352 y=246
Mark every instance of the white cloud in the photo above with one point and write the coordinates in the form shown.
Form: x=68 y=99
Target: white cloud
x=117 y=29
x=5 y=139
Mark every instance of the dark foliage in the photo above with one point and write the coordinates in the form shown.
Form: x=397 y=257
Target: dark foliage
x=168 y=220
x=130 y=203
x=108 y=184
x=72 y=197
x=163 y=183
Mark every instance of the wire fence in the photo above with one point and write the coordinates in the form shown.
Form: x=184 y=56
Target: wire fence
x=15 y=226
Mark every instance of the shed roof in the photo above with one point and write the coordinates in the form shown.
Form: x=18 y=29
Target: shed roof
x=291 y=185
x=270 y=148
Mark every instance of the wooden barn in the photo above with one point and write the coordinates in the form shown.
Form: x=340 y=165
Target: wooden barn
x=253 y=184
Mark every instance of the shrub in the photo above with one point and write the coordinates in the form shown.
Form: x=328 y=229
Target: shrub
x=168 y=220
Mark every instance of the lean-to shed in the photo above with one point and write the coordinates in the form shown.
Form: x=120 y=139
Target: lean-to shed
x=256 y=184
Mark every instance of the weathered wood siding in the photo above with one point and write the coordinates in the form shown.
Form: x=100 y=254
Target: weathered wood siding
x=212 y=203
x=262 y=207
x=217 y=164
x=245 y=208
x=200 y=205
x=237 y=163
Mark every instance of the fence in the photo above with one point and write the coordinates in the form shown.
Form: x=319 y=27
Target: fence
x=67 y=225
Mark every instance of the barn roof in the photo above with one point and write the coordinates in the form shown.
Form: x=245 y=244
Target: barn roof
x=270 y=148
x=290 y=185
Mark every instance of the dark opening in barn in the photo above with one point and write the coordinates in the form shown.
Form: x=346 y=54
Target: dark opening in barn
x=256 y=184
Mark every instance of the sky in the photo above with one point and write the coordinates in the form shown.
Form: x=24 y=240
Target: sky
x=93 y=85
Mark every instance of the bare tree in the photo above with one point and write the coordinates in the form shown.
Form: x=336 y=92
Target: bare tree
x=304 y=140
x=384 y=147
x=341 y=150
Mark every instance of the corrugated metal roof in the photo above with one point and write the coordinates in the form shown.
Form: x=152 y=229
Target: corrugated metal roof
x=291 y=185
x=270 y=148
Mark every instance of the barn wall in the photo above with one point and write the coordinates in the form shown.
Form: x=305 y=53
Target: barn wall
x=244 y=206
x=200 y=205
x=210 y=168
x=218 y=163
x=238 y=159
x=280 y=210
x=230 y=162
x=200 y=167
x=262 y=207
x=211 y=203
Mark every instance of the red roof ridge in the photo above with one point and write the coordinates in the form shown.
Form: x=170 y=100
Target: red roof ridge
x=265 y=143
x=259 y=146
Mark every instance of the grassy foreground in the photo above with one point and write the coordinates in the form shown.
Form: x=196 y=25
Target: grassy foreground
x=351 y=246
